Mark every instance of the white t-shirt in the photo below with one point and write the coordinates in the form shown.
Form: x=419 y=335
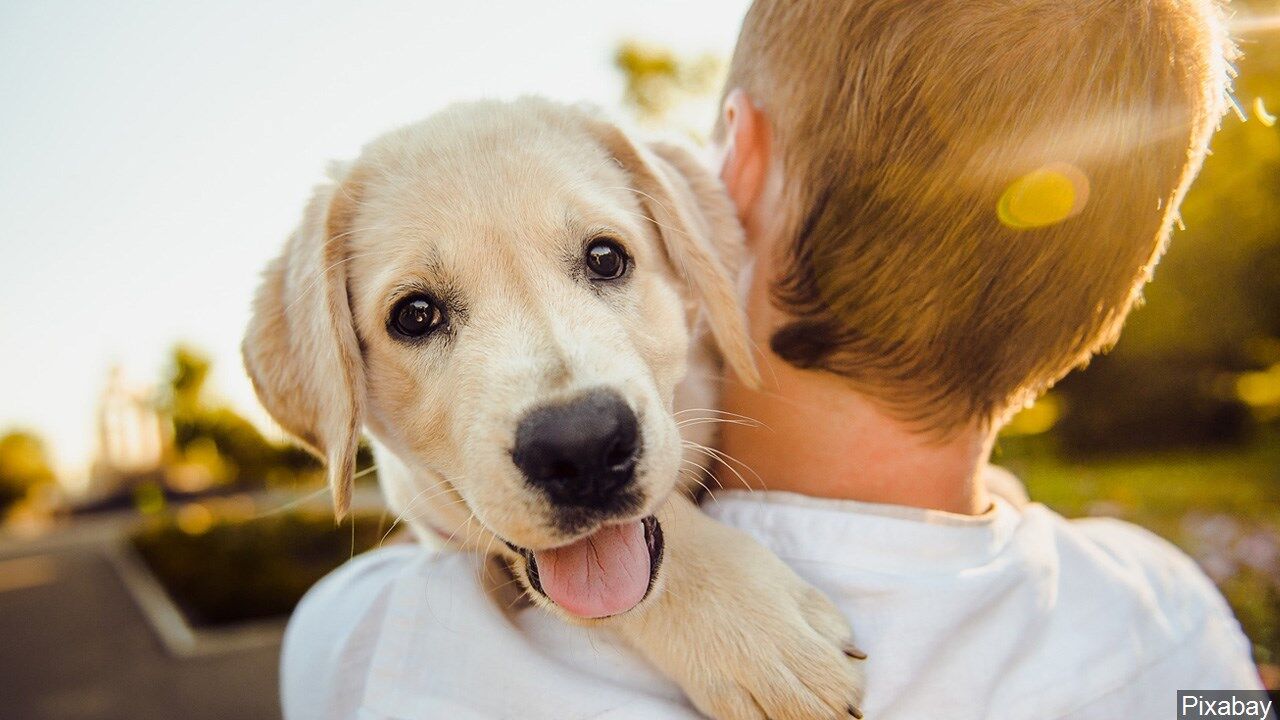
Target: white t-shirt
x=1017 y=613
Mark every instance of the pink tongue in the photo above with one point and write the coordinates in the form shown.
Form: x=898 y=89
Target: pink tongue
x=603 y=574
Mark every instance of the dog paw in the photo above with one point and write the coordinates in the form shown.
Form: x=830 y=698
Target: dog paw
x=789 y=659
x=744 y=636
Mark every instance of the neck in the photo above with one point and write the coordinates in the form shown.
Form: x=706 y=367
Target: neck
x=815 y=436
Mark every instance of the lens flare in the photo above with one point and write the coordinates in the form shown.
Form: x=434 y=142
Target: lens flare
x=1260 y=109
x=1042 y=197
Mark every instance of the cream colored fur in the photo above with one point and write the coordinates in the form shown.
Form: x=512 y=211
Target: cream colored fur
x=489 y=205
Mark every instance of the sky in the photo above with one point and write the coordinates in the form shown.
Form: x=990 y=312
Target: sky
x=154 y=156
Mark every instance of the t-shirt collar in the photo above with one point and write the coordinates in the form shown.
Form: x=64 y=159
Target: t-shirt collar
x=888 y=538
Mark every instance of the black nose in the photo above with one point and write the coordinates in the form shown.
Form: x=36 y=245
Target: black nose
x=582 y=452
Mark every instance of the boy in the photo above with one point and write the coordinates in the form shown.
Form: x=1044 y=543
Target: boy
x=950 y=205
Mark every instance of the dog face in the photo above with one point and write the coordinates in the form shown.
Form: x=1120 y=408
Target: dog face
x=522 y=331
x=503 y=295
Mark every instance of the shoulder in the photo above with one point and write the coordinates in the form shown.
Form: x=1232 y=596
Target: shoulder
x=1152 y=618
x=332 y=635
x=362 y=574
x=1154 y=572
x=353 y=592
x=409 y=634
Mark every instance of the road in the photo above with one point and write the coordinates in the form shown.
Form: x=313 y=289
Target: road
x=73 y=645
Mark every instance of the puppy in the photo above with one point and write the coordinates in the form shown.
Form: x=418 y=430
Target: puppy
x=508 y=296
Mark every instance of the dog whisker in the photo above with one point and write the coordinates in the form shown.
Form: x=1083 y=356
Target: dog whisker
x=728 y=461
x=694 y=422
x=467 y=525
x=320 y=274
x=655 y=201
x=727 y=458
x=684 y=270
x=702 y=475
x=652 y=220
x=291 y=504
x=715 y=411
x=406 y=517
x=697 y=478
x=407 y=507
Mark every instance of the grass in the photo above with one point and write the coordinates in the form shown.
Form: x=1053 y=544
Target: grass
x=1221 y=507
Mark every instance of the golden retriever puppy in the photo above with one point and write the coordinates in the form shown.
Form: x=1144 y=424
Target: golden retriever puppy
x=508 y=297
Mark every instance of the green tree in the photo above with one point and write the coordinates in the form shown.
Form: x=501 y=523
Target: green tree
x=188 y=372
x=657 y=80
x=24 y=464
x=200 y=423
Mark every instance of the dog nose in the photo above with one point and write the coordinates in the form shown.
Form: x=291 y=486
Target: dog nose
x=581 y=452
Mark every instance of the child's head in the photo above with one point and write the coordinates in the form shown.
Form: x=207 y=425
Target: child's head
x=976 y=191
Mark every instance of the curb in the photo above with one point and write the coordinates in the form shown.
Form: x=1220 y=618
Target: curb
x=166 y=620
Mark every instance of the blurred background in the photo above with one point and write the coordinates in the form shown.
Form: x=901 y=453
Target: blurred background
x=156 y=529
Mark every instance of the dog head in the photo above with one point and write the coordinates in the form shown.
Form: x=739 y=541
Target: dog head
x=505 y=296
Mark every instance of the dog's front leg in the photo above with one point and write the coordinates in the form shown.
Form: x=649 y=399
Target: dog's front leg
x=739 y=631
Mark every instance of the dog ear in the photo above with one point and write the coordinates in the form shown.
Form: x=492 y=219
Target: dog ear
x=301 y=349
x=699 y=230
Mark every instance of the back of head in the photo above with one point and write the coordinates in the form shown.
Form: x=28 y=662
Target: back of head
x=977 y=191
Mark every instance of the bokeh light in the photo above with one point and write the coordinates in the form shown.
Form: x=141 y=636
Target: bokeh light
x=194 y=519
x=1045 y=196
x=1260 y=109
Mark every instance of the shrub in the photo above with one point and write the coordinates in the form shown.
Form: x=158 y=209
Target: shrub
x=221 y=571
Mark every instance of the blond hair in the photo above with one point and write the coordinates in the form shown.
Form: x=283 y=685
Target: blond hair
x=979 y=189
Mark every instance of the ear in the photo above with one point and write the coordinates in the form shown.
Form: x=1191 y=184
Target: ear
x=301 y=349
x=699 y=231
x=745 y=163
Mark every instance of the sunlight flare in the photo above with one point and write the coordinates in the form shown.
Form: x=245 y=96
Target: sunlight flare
x=1260 y=109
x=1042 y=197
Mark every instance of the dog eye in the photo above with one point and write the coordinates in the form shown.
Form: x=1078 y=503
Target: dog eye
x=416 y=316
x=606 y=260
